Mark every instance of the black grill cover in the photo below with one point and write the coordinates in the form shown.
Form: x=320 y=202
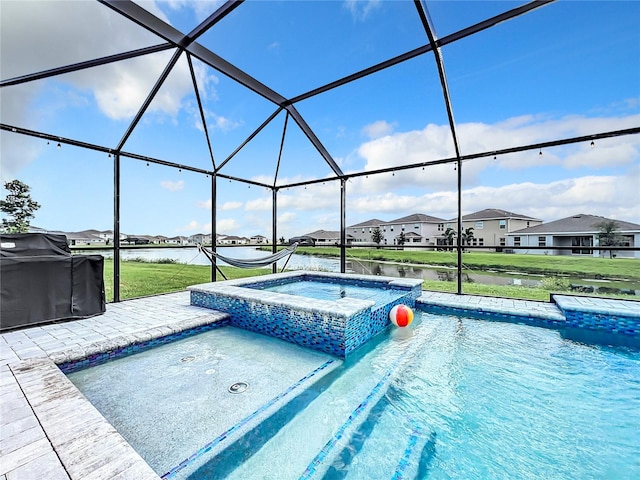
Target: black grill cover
x=40 y=281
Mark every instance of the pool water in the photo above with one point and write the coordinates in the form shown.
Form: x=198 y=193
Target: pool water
x=474 y=399
x=445 y=398
x=504 y=401
x=320 y=290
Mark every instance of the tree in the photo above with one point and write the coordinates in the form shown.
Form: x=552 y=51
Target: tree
x=377 y=236
x=18 y=206
x=402 y=239
x=467 y=236
x=281 y=240
x=608 y=235
x=449 y=236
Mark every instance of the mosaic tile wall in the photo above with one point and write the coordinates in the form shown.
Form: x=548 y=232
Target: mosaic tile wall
x=320 y=330
x=610 y=323
x=491 y=315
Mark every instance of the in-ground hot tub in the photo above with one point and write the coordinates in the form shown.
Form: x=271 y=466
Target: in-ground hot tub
x=330 y=312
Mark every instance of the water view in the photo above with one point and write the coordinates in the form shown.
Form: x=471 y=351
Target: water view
x=191 y=256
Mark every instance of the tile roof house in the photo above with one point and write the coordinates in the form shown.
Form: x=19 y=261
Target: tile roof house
x=577 y=231
x=418 y=229
x=491 y=226
x=321 y=238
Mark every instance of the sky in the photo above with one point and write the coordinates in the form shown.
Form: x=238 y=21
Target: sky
x=550 y=74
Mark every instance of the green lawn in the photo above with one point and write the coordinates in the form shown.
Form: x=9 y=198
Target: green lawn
x=139 y=279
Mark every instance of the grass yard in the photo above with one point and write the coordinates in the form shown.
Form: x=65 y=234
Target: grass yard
x=140 y=279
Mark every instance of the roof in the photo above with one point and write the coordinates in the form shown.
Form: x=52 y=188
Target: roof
x=416 y=218
x=374 y=222
x=497 y=214
x=323 y=234
x=580 y=223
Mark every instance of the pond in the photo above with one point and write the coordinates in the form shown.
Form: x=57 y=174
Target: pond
x=190 y=255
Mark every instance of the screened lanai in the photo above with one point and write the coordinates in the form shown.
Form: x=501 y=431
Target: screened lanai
x=282 y=118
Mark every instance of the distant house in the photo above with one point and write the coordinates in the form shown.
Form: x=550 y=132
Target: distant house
x=86 y=237
x=233 y=240
x=137 y=240
x=178 y=240
x=258 y=239
x=200 y=239
x=491 y=226
x=362 y=232
x=577 y=231
x=424 y=230
x=320 y=238
x=418 y=229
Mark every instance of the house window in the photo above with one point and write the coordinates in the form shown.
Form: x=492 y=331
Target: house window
x=391 y=228
x=384 y=229
x=481 y=241
x=503 y=224
x=441 y=227
x=542 y=241
x=479 y=225
x=581 y=242
x=503 y=242
x=448 y=225
x=516 y=241
x=403 y=227
x=363 y=230
x=416 y=226
x=528 y=224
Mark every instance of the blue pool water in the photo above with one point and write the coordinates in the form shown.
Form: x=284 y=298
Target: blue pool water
x=449 y=398
x=321 y=290
x=503 y=401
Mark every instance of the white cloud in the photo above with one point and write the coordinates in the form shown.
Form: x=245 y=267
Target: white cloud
x=192 y=226
x=227 y=225
x=229 y=205
x=377 y=129
x=610 y=196
x=172 y=186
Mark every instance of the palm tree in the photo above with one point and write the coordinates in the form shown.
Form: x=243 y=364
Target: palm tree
x=467 y=236
x=449 y=236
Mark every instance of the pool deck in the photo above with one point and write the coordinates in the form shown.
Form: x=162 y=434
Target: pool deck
x=47 y=428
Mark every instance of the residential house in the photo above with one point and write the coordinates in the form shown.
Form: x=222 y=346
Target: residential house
x=258 y=239
x=578 y=231
x=200 y=239
x=418 y=229
x=321 y=238
x=234 y=240
x=491 y=226
x=362 y=233
x=177 y=240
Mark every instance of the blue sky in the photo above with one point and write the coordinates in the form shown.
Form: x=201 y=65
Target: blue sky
x=563 y=70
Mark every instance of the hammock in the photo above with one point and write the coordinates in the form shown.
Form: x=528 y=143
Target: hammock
x=249 y=262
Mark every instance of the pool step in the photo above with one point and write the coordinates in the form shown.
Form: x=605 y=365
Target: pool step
x=307 y=446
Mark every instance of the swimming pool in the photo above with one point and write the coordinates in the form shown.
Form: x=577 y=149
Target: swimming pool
x=453 y=397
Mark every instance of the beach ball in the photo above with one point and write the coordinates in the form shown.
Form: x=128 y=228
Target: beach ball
x=401 y=316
